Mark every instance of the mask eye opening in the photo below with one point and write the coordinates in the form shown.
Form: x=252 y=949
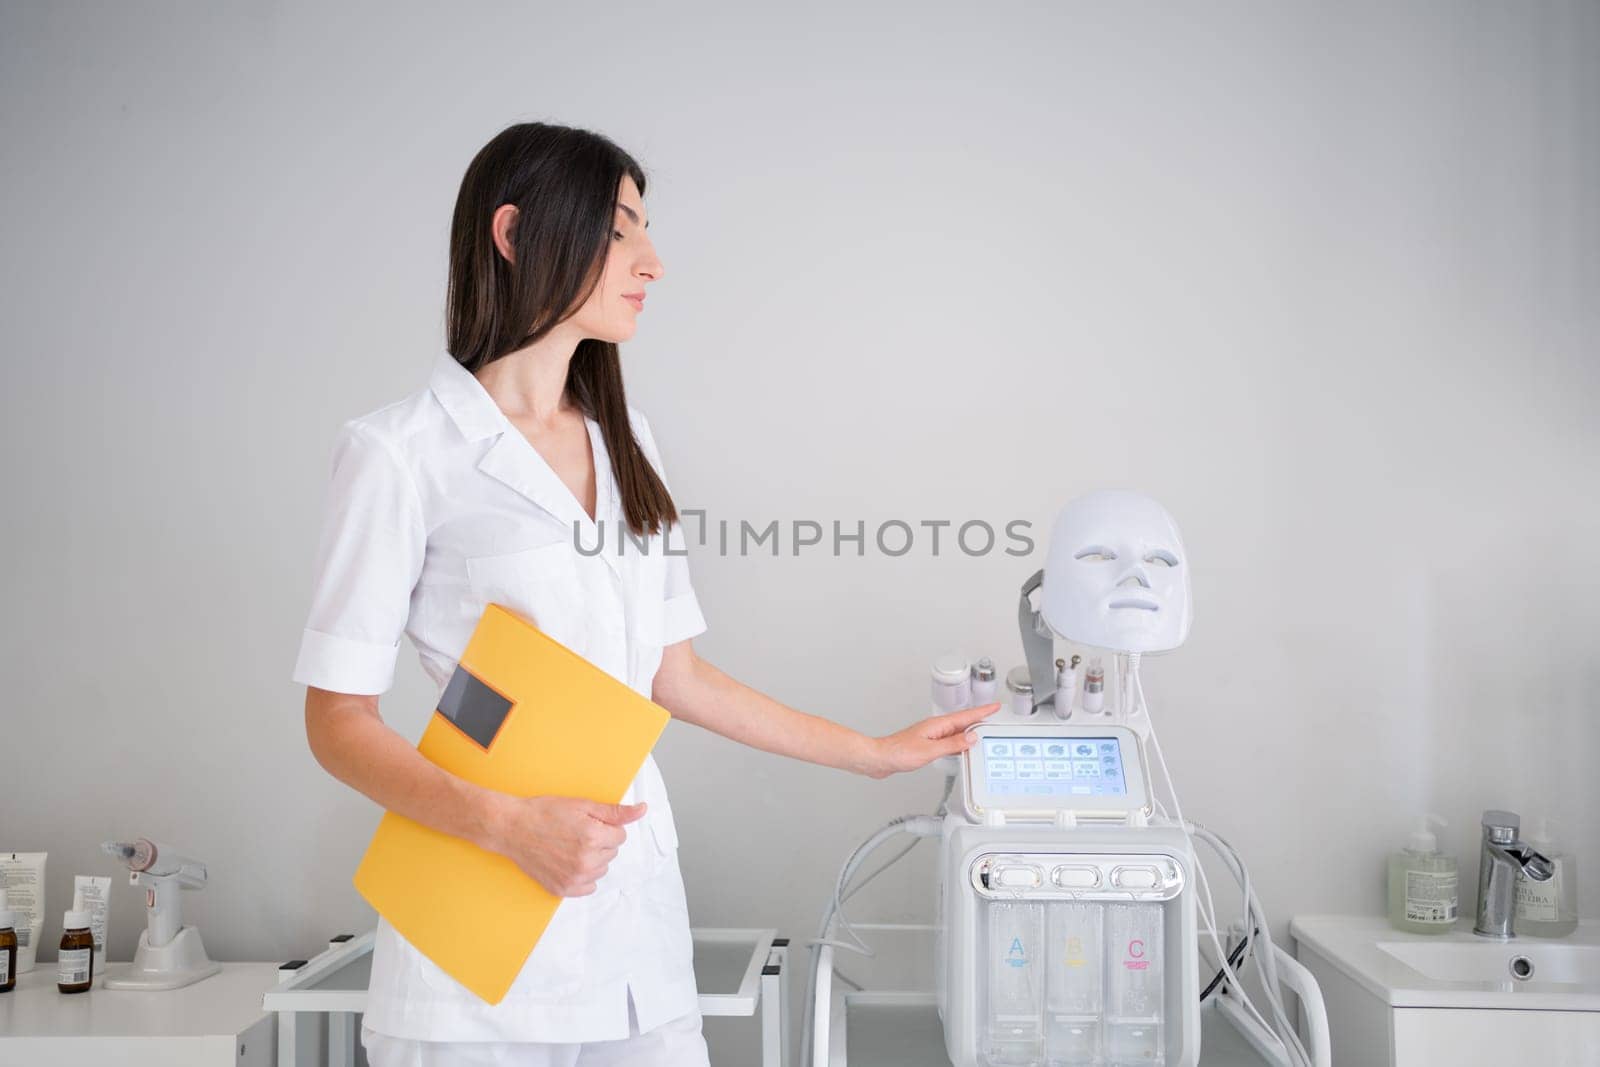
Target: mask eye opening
x=1096 y=554
x=1163 y=557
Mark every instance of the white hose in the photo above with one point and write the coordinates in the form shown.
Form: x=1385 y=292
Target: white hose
x=1254 y=915
x=1285 y=1030
x=922 y=826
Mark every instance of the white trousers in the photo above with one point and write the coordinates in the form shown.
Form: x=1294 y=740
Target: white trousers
x=678 y=1043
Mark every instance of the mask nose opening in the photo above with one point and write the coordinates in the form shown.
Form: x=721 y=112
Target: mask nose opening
x=1135 y=582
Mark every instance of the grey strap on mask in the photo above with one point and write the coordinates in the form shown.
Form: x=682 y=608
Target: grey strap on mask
x=1038 y=645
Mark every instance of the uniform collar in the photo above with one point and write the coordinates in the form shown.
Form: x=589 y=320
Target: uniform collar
x=465 y=400
x=515 y=462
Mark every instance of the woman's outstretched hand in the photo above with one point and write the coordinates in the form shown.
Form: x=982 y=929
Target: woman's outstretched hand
x=919 y=745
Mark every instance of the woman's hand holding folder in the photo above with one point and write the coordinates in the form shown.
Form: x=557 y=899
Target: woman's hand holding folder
x=563 y=843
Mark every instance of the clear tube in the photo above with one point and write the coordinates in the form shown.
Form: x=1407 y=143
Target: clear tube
x=1014 y=1019
x=1074 y=982
x=1135 y=984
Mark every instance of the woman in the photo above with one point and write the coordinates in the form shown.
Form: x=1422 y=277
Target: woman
x=481 y=488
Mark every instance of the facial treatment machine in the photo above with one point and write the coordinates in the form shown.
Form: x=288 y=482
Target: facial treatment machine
x=1071 y=904
x=1067 y=922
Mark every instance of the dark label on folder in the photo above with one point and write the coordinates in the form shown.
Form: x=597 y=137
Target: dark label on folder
x=477 y=710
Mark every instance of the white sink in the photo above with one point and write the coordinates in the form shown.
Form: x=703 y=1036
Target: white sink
x=1396 y=999
x=1458 y=969
x=1508 y=966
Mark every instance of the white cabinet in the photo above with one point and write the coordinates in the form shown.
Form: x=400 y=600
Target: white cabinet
x=1415 y=1000
x=216 y=1022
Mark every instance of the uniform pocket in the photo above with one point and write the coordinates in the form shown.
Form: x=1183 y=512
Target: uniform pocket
x=664 y=829
x=658 y=816
x=539 y=583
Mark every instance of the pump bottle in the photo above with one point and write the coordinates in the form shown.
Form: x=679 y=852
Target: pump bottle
x=1548 y=909
x=1424 y=886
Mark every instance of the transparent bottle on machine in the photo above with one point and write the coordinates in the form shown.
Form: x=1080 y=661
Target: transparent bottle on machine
x=1014 y=1032
x=1135 y=985
x=1074 y=983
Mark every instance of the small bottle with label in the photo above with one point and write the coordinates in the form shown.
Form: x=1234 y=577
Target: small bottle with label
x=985 y=684
x=1549 y=908
x=1019 y=692
x=1094 y=687
x=1066 y=686
x=8 y=945
x=1424 y=885
x=75 y=961
x=952 y=684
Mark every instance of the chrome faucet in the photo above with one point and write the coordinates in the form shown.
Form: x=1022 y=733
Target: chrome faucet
x=1503 y=855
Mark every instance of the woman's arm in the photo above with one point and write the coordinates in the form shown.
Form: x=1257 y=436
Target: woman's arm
x=695 y=691
x=564 y=843
x=353 y=743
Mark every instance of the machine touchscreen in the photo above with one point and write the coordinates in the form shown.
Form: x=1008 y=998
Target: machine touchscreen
x=1056 y=767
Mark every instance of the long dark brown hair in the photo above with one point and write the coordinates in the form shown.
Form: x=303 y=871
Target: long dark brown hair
x=563 y=182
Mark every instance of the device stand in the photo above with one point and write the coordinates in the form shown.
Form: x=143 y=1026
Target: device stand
x=180 y=962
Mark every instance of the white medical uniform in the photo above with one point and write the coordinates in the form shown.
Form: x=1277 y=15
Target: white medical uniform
x=439 y=505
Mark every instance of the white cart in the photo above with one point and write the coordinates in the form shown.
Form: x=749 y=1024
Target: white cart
x=216 y=1022
x=318 y=1001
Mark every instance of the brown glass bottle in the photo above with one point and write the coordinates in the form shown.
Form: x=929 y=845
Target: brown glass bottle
x=8 y=959
x=8 y=944
x=75 y=961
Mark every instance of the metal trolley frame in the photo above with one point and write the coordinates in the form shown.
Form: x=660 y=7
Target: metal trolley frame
x=739 y=972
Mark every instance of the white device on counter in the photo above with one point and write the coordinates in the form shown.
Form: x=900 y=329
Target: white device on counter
x=1066 y=929
x=170 y=955
x=1071 y=903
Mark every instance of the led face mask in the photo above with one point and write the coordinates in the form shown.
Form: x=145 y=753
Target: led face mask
x=1117 y=576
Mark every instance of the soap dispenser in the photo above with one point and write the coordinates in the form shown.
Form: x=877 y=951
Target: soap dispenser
x=1550 y=908
x=1424 y=895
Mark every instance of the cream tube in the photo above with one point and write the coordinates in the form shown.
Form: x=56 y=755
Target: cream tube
x=96 y=891
x=24 y=879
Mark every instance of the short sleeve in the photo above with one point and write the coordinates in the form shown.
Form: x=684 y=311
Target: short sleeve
x=683 y=618
x=368 y=560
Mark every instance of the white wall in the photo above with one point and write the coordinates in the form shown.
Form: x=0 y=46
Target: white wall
x=1321 y=279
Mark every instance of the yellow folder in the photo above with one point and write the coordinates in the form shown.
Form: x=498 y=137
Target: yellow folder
x=525 y=715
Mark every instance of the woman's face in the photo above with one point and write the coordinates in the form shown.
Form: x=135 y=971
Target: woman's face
x=612 y=311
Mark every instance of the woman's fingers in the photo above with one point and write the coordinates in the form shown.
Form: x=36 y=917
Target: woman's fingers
x=957 y=744
x=955 y=722
x=940 y=735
